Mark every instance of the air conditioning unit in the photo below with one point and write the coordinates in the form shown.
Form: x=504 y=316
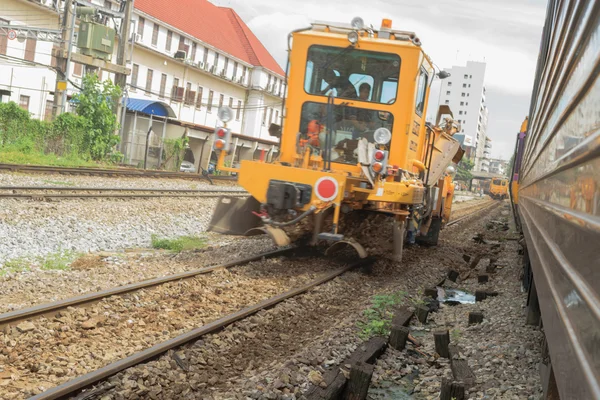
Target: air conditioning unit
x=207 y=67
x=180 y=55
x=200 y=64
x=240 y=79
x=222 y=72
x=188 y=62
x=138 y=38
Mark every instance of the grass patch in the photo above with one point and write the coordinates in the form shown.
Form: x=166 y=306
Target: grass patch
x=15 y=265
x=378 y=317
x=179 y=244
x=38 y=158
x=60 y=261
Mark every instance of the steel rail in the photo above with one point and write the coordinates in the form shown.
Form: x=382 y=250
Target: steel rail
x=23 y=314
x=71 y=387
x=117 y=189
x=456 y=221
x=130 y=172
x=115 y=195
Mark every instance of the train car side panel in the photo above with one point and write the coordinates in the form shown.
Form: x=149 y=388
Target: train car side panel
x=559 y=194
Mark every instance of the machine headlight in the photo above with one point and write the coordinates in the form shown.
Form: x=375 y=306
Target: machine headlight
x=382 y=136
x=225 y=114
x=353 y=37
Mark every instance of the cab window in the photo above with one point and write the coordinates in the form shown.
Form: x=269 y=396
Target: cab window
x=421 y=92
x=342 y=72
x=349 y=125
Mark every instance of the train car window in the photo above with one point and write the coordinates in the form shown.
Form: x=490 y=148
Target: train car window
x=349 y=125
x=341 y=72
x=421 y=92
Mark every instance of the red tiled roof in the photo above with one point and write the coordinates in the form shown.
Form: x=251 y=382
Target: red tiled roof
x=218 y=26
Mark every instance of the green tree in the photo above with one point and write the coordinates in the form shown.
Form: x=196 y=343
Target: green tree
x=463 y=172
x=97 y=103
x=509 y=168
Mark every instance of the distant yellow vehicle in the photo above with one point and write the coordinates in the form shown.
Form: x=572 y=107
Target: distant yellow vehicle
x=499 y=189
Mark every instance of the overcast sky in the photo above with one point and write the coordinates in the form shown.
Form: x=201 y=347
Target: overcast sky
x=505 y=34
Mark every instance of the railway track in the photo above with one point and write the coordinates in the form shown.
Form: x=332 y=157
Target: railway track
x=485 y=207
x=75 y=386
x=43 y=192
x=55 y=311
x=50 y=309
x=86 y=380
x=111 y=172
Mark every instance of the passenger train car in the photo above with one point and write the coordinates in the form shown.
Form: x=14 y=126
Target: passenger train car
x=556 y=192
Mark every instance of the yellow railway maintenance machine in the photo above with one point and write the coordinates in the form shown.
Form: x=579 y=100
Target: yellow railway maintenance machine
x=358 y=165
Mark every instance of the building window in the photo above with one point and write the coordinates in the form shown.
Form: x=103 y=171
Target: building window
x=155 y=35
x=149 y=76
x=447 y=102
x=244 y=70
x=190 y=96
x=270 y=116
x=140 y=27
x=221 y=98
x=462 y=94
x=48 y=111
x=30 y=45
x=194 y=48
x=199 y=98
x=464 y=85
x=449 y=83
x=470 y=76
x=239 y=110
x=163 y=86
x=216 y=59
x=264 y=120
x=467 y=94
x=231 y=102
x=134 y=75
x=469 y=85
x=462 y=103
x=210 y=99
x=169 y=40
x=466 y=76
x=448 y=93
x=235 y=68
x=176 y=92
x=226 y=65
x=277 y=117
x=24 y=102
x=77 y=69
x=460 y=113
x=205 y=59
x=268 y=82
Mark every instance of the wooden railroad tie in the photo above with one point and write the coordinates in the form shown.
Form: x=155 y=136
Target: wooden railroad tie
x=399 y=336
x=475 y=318
x=359 y=381
x=460 y=368
x=442 y=341
x=453 y=275
x=422 y=312
x=335 y=380
x=452 y=390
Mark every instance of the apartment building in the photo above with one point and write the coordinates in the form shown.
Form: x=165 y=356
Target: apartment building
x=189 y=57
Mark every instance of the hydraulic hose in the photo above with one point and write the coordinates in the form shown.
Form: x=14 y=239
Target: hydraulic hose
x=305 y=214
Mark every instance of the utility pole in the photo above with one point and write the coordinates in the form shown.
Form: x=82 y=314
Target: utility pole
x=121 y=79
x=62 y=64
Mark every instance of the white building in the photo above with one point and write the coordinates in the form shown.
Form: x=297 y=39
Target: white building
x=464 y=92
x=219 y=62
x=498 y=166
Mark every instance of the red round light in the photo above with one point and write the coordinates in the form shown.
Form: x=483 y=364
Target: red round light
x=379 y=155
x=326 y=188
x=221 y=133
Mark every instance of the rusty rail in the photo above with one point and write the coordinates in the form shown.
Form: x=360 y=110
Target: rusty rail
x=71 y=387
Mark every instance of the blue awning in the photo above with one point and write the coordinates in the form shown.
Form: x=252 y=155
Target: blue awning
x=151 y=107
